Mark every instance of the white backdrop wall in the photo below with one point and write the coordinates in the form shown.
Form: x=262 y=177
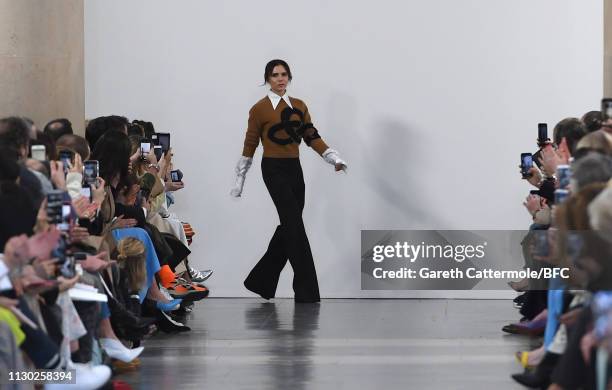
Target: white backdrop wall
x=430 y=102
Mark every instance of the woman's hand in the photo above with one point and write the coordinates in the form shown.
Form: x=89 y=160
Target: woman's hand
x=534 y=177
x=120 y=222
x=41 y=244
x=173 y=186
x=81 y=205
x=532 y=203
x=67 y=284
x=551 y=159
x=96 y=263
x=78 y=234
x=165 y=163
x=151 y=157
x=98 y=191
x=340 y=167
x=57 y=174
x=135 y=157
x=77 y=167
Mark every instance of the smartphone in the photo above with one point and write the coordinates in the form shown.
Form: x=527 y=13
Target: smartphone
x=91 y=171
x=564 y=175
x=38 y=152
x=176 y=175
x=163 y=140
x=55 y=201
x=86 y=192
x=157 y=149
x=145 y=148
x=64 y=225
x=67 y=267
x=526 y=164
x=66 y=156
x=606 y=108
x=80 y=256
x=542 y=134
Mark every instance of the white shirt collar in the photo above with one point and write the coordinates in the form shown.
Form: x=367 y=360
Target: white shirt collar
x=275 y=99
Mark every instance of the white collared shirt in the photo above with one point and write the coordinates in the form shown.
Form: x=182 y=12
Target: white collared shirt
x=275 y=99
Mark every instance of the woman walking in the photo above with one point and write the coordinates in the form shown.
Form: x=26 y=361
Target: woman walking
x=281 y=123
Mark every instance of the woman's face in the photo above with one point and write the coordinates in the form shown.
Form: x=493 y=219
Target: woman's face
x=278 y=80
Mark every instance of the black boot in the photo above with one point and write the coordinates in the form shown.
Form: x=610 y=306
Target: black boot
x=540 y=378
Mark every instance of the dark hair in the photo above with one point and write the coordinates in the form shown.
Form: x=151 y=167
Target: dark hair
x=48 y=142
x=75 y=143
x=98 y=126
x=9 y=169
x=135 y=129
x=592 y=120
x=14 y=133
x=270 y=67
x=113 y=152
x=148 y=127
x=572 y=129
x=58 y=127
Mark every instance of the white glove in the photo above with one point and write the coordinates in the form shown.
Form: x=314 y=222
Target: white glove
x=241 y=169
x=331 y=156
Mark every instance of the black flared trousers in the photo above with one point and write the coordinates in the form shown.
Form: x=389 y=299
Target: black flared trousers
x=285 y=183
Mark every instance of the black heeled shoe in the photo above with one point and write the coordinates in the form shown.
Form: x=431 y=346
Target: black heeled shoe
x=540 y=378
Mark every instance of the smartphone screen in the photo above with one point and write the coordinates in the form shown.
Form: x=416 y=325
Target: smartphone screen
x=91 y=170
x=174 y=176
x=55 y=201
x=164 y=141
x=38 y=152
x=65 y=157
x=67 y=269
x=145 y=147
x=526 y=163
x=64 y=225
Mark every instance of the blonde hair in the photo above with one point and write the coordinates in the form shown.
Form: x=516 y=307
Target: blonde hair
x=131 y=258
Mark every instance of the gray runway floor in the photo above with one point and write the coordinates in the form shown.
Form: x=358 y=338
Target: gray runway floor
x=339 y=344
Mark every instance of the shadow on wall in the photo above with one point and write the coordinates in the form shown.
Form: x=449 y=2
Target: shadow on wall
x=395 y=170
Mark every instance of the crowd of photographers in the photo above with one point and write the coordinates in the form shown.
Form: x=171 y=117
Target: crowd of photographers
x=570 y=314
x=93 y=261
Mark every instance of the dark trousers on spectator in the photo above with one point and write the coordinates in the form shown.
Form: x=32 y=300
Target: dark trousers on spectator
x=285 y=182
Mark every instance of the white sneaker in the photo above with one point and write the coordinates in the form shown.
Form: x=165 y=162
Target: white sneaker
x=86 y=377
x=165 y=293
x=115 y=349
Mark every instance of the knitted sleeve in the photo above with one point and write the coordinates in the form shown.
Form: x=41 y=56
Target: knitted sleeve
x=253 y=134
x=311 y=135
